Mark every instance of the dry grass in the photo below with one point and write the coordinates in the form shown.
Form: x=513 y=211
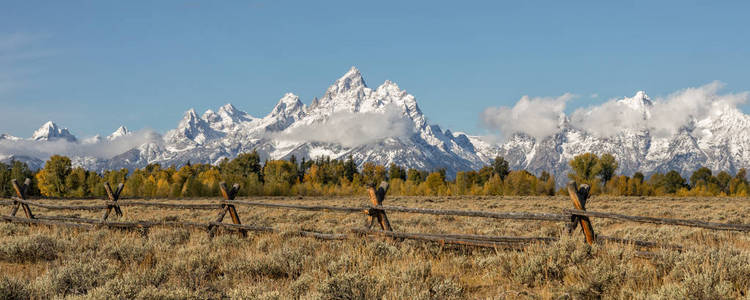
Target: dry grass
x=176 y=263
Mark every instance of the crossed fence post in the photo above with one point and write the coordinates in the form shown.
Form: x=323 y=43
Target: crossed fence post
x=112 y=203
x=579 y=195
x=227 y=206
x=21 y=193
x=375 y=214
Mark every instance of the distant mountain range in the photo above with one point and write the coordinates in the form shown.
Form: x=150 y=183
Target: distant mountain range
x=385 y=125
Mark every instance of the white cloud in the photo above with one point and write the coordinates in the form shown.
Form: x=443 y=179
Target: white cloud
x=102 y=149
x=352 y=129
x=537 y=117
x=680 y=108
x=665 y=117
x=608 y=118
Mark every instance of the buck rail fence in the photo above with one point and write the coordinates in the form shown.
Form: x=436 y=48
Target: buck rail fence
x=375 y=212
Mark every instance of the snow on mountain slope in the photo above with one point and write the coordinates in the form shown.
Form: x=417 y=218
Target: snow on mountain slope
x=50 y=131
x=118 y=133
x=385 y=125
x=8 y=137
x=365 y=133
x=715 y=141
x=33 y=162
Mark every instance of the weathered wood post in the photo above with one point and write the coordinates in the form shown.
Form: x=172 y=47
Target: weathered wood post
x=579 y=195
x=21 y=193
x=112 y=203
x=376 y=198
x=228 y=195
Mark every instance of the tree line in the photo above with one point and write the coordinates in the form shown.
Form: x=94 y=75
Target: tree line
x=324 y=177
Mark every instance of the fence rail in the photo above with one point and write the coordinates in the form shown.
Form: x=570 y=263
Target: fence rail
x=300 y=207
x=376 y=213
x=664 y=221
x=40 y=221
x=59 y=207
x=483 y=214
x=207 y=206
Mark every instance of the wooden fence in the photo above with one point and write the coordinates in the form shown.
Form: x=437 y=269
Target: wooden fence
x=375 y=212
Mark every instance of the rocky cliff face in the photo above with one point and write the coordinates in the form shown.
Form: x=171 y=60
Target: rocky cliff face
x=717 y=141
x=321 y=129
x=385 y=125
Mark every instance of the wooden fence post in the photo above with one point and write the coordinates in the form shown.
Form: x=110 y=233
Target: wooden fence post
x=113 y=197
x=227 y=207
x=21 y=192
x=377 y=197
x=579 y=195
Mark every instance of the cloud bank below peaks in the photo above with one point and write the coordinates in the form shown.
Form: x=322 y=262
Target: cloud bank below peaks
x=351 y=129
x=99 y=148
x=662 y=117
x=537 y=117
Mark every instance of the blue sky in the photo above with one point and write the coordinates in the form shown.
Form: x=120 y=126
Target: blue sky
x=93 y=65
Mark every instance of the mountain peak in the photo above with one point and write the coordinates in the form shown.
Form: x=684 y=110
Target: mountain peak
x=350 y=81
x=120 y=132
x=388 y=83
x=227 y=118
x=354 y=71
x=190 y=117
x=231 y=114
x=390 y=87
x=190 y=121
x=289 y=110
x=191 y=127
x=289 y=98
x=640 y=101
x=228 y=109
x=353 y=77
x=642 y=95
x=288 y=105
x=210 y=115
x=50 y=131
x=5 y=136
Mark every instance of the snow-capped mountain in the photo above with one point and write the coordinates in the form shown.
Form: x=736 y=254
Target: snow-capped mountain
x=50 y=132
x=119 y=132
x=229 y=132
x=385 y=125
x=8 y=137
x=715 y=141
x=51 y=139
x=33 y=162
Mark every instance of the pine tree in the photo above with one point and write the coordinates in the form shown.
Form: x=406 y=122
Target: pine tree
x=396 y=172
x=701 y=177
x=672 y=182
x=500 y=167
x=723 y=179
x=350 y=168
x=413 y=175
x=75 y=184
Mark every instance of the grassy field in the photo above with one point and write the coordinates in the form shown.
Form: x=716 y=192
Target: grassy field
x=176 y=263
